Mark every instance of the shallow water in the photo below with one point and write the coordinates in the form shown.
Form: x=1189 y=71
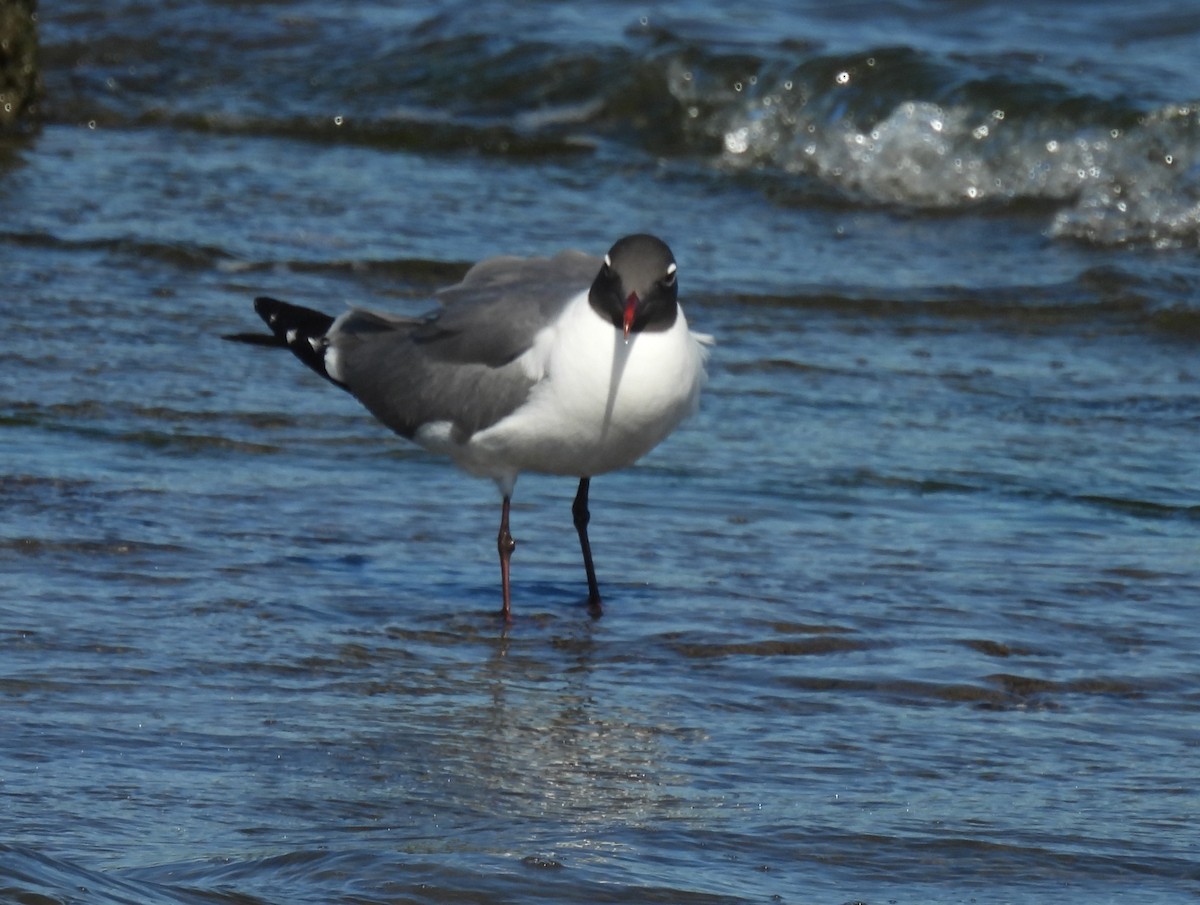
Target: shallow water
x=905 y=614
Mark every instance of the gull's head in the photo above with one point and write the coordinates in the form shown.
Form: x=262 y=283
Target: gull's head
x=637 y=287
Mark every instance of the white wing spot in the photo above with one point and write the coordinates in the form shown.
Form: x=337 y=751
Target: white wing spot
x=315 y=342
x=333 y=365
x=291 y=335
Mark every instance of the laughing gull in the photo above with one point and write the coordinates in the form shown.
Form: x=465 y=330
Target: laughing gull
x=571 y=365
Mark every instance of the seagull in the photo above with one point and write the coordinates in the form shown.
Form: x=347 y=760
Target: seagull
x=571 y=365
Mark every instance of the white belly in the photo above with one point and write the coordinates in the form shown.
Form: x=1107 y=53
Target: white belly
x=600 y=402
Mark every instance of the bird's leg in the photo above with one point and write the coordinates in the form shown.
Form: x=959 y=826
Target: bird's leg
x=579 y=510
x=505 y=544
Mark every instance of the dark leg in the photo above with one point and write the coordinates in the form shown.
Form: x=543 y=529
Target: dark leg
x=505 y=544
x=580 y=511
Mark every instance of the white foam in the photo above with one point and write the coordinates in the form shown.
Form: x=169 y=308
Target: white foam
x=1115 y=183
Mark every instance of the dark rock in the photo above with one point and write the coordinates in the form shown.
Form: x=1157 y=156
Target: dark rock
x=20 y=84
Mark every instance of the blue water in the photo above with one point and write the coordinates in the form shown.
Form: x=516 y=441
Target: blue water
x=905 y=614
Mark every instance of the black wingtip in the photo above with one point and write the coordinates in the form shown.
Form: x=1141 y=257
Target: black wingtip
x=302 y=330
x=256 y=339
x=283 y=317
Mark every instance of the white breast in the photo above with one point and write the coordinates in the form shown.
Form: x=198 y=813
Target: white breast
x=600 y=402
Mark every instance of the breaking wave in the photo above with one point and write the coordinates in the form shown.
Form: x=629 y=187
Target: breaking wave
x=896 y=126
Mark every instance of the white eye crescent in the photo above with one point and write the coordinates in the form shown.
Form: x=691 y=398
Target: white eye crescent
x=607 y=261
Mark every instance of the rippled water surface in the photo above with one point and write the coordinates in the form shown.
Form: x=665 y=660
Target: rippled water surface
x=906 y=614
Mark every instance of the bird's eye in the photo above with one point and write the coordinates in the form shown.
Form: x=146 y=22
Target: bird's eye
x=669 y=279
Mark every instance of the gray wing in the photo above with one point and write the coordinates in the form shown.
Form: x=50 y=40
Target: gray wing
x=459 y=363
x=493 y=315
